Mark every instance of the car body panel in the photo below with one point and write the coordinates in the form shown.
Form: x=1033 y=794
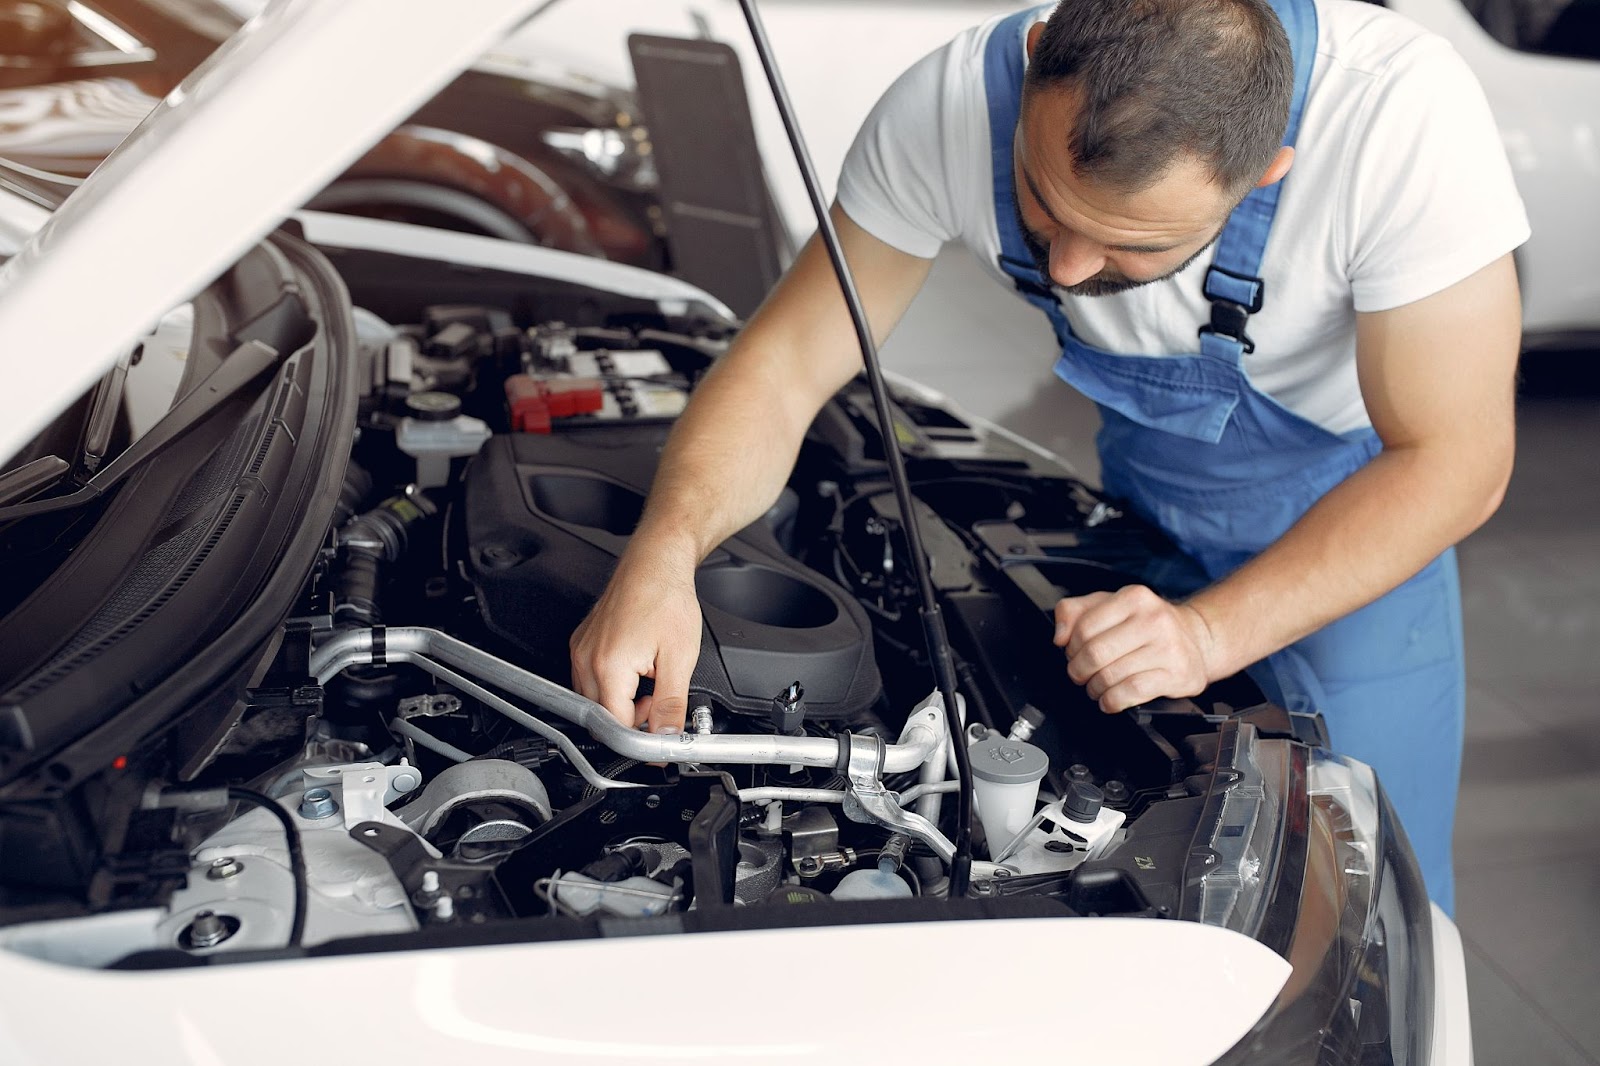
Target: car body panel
x=1452 y=1018
x=1041 y=983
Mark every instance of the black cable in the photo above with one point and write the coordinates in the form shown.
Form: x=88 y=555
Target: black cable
x=297 y=858
x=932 y=621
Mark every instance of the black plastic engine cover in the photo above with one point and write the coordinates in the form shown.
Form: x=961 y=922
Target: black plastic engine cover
x=548 y=516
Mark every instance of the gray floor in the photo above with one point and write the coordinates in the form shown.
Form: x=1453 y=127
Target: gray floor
x=1528 y=829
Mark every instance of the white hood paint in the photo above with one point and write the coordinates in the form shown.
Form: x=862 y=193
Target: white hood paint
x=273 y=116
x=1134 y=991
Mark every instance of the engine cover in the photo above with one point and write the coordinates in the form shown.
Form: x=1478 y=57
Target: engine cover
x=547 y=518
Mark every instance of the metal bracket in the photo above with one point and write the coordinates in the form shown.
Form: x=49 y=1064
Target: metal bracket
x=366 y=789
x=440 y=890
x=870 y=803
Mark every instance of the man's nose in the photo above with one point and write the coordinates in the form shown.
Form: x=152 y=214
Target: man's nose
x=1074 y=259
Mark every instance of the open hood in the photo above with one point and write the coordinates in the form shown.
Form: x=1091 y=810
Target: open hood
x=280 y=110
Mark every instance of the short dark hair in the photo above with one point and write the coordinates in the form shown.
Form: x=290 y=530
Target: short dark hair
x=1212 y=78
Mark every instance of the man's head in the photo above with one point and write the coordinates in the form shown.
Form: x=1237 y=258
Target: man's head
x=1143 y=124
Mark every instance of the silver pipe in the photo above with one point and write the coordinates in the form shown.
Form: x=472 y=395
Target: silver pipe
x=767 y=794
x=936 y=789
x=412 y=644
x=576 y=758
x=427 y=740
x=933 y=772
x=798 y=795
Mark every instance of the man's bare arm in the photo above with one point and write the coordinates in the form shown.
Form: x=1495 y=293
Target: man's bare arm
x=724 y=465
x=1438 y=377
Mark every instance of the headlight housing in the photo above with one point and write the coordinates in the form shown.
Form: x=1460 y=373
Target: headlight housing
x=1333 y=885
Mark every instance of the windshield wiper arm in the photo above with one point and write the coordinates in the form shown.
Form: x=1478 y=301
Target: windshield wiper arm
x=103 y=413
x=29 y=478
x=244 y=365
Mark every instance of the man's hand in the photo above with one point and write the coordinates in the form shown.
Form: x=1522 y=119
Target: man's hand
x=647 y=624
x=1131 y=646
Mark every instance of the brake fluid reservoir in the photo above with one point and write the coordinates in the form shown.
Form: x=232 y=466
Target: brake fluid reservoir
x=1005 y=785
x=434 y=434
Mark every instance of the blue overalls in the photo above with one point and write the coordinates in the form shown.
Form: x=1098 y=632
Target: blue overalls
x=1190 y=444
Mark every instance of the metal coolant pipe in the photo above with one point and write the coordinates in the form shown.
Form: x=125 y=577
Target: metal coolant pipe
x=379 y=646
x=929 y=797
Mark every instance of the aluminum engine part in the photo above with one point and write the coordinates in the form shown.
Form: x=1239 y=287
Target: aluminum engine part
x=662 y=854
x=479 y=781
x=759 y=869
x=812 y=832
x=241 y=872
x=363 y=791
x=431 y=705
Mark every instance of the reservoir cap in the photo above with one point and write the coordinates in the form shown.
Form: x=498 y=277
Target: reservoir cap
x=1083 y=801
x=1007 y=762
x=433 y=406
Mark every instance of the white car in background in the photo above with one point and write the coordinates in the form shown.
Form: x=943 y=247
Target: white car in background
x=1540 y=68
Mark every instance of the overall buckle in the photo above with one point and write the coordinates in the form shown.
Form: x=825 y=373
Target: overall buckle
x=1234 y=298
x=1228 y=319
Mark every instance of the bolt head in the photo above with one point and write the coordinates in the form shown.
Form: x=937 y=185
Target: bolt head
x=208 y=930
x=318 y=803
x=224 y=868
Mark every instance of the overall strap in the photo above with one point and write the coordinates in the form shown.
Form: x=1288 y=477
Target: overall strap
x=1233 y=284
x=1002 y=83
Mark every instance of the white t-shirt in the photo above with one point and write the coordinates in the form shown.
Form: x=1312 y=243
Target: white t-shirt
x=1400 y=188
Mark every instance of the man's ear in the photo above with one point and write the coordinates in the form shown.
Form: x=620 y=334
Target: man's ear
x=1280 y=166
x=1034 y=33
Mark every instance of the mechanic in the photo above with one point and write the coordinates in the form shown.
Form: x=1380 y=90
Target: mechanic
x=1344 y=417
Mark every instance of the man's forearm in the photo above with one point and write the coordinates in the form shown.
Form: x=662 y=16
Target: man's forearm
x=724 y=463
x=1369 y=534
x=731 y=452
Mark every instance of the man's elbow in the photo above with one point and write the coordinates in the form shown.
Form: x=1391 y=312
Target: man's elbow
x=1497 y=496
x=1496 y=480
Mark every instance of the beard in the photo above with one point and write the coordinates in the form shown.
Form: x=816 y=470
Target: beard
x=1105 y=283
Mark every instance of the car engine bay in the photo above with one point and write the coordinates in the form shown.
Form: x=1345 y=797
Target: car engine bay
x=412 y=763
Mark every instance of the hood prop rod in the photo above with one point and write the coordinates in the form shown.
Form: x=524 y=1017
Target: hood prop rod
x=933 y=626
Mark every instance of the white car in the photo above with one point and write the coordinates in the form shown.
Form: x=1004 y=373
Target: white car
x=1542 y=80
x=288 y=767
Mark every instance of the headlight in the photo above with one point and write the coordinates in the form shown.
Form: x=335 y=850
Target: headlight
x=1332 y=884
x=621 y=157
